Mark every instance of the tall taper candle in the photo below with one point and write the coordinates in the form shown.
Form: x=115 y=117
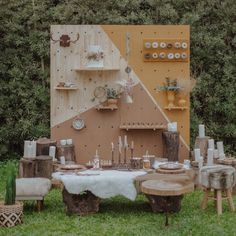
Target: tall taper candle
x=211 y=144
x=196 y=154
x=210 y=153
x=132 y=149
x=125 y=141
x=112 y=154
x=201 y=131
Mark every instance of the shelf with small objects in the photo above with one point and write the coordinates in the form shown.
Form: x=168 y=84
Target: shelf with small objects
x=66 y=86
x=95 y=61
x=177 y=89
x=166 y=50
x=141 y=125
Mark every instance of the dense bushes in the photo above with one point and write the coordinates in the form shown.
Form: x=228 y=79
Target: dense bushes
x=24 y=59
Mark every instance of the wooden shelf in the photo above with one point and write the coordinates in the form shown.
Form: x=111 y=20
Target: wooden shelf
x=144 y=127
x=66 y=88
x=100 y=107
x=176 y=108
x=96 y=69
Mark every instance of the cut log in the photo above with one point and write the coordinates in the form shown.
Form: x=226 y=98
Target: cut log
x=27 y=168
x=43 y=145
x=43 y=166
x=68 y=151
x=170 y=145
x=80 y=204
x=202 y=144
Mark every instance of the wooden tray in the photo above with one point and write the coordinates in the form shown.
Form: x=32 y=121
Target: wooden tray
x=72 y=167
x=171 y=166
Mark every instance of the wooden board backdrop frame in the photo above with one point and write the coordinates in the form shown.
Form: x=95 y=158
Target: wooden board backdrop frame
x=104 y=127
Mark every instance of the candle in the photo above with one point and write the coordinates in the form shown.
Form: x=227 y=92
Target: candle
x=146 y=153
x=62 y=159
x=169 y=127
x=196 y=154
x=200 y=165
x=201 y=131
x=125 y=141
x=210 y=153
x=132 y=145
x=174 y=126
x=52 y=152
x=211 y=144
x=120 y=144
x=112 y=146
x=26 y=149
x=216 y=153
x=220 y=147
x=96 y=155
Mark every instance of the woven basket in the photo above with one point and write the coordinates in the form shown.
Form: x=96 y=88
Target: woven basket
x=11 y=215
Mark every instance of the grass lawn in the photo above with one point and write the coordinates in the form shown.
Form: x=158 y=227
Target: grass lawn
x=119 y=216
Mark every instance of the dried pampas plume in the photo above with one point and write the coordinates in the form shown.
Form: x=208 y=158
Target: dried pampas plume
x=187 y=86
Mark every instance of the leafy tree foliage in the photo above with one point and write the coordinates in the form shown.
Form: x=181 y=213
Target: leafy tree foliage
x=24 y=59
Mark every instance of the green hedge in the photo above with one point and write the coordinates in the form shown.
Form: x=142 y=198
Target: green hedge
x=24 y=59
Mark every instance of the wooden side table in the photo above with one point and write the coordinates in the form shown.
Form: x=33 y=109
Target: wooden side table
x=165 y=194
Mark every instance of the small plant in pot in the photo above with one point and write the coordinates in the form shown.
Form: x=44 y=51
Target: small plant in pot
x=11 y=212
x=112 y=97
x=171 y=87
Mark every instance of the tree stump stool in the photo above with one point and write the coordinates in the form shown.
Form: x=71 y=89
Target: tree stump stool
x=80 y=204
x=43 y=145
x=220 y=179
x=27 y=168
x=171 y=145
x=43 y=166
x=165 y=194
x=68 y=151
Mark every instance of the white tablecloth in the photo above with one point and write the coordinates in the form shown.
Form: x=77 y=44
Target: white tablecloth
x=103 y=184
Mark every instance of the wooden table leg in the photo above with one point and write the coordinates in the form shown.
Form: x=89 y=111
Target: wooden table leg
x=39 y=204
x=205 y=198
x=230 y=200
x=219 y=202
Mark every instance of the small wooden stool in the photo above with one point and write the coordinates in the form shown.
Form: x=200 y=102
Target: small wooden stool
x=220 y=179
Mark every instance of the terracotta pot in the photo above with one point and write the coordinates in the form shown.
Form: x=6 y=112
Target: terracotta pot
x=182 y=102
x=112 y=102
x=11 y=215
x=170 y=98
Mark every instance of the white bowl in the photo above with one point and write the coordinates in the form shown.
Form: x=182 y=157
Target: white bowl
x=184 y=45
x=162 y=55
x=177 y=44
x=148 y=45
x=177 y=55
x=155 y=44
x=155 y=55
x=170 y=56
x=163 y=45
x=184 y=55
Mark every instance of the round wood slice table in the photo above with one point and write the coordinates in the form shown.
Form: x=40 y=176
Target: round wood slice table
x=165 y=194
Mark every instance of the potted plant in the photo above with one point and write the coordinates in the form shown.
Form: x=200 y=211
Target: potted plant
x=112 y=96
x=171 y=87
x=10 y=211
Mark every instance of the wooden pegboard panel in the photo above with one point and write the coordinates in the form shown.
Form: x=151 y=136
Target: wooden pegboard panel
x=102 y=127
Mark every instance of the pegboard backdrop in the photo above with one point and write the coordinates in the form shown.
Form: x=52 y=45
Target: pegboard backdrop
x=68 y=64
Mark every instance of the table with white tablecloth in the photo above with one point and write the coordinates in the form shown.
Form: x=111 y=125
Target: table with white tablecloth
x=96 y=184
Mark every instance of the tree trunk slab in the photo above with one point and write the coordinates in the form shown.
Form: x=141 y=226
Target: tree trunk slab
x=80 y=204
x=165 y=204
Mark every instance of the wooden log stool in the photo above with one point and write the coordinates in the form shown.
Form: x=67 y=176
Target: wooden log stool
x=80 y=204
x=165 y=194
x=220 y=179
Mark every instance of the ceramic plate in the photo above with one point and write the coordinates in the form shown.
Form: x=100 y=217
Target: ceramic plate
x=78 y=123
x=171 y=166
